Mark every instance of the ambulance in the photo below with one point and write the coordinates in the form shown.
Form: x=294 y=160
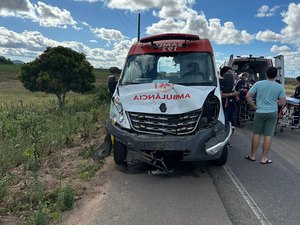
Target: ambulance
x=256 y=66
x=166 y=105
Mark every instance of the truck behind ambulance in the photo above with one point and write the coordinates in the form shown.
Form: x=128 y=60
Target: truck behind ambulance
x=166 y=104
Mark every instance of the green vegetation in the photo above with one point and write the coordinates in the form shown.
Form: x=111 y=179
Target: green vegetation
x=3 y=60
x=87 y=170
x=58 y=71
x=66 y=198
x=34 y=132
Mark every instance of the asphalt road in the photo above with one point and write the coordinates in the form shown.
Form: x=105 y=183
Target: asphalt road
x=261 y=194
x=239 y=193
x=186 y=197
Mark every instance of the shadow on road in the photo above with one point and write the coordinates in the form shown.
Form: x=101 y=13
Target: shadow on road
x=177 y=169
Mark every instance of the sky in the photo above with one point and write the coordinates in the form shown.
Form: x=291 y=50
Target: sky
x=105 y=29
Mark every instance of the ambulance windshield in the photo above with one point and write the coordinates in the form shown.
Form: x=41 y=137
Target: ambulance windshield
x=178 y=68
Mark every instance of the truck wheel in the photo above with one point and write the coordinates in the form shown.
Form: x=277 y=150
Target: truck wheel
x=223 y=159
x=120 y=153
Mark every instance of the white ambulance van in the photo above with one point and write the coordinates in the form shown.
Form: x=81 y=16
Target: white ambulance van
x=167 y=103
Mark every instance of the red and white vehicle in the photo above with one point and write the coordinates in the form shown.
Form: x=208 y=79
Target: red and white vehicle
x=167 y=103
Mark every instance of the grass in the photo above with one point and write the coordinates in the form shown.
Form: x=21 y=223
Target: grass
x=32 y=128
x=8 y=68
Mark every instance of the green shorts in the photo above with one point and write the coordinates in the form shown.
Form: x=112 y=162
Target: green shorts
x=265 y=123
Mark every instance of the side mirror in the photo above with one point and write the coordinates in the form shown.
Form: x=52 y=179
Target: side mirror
x=111 y=84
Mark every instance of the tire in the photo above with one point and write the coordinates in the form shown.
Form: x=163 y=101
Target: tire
x=120 y=153
x=223 y=158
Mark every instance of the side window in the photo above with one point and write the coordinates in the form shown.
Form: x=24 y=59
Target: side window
x=133 y=69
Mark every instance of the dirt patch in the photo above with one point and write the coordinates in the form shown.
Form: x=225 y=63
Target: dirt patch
x=86 y=207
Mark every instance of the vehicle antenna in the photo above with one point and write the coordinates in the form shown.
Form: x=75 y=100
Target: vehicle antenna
x=139 y=26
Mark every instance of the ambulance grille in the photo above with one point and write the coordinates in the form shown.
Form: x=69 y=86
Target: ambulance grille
x=180 y=124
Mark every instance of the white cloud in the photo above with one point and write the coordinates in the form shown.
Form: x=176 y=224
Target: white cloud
x=266 y=11
x=87 y=25
x=142 y=5
x=290 y=33
x=291 y=59
x=88 y=0
x=108 y=34
x=45 y=15
x=292 y=30
x=178 y=16
x=93 y=41
x=227 y=33
x=20 y=5
x=162 y=26
x=13 y=9
x=51 y=16
x=269 y=35
x=31 y=40
x=281 y=49
x=30 y=44
x=134 y=5
x=197 y=24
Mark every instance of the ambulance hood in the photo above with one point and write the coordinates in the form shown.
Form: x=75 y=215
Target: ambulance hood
x=158 y=98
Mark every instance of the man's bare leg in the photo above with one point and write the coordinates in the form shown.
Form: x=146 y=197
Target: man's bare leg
x=254 y=145
x=266 y=148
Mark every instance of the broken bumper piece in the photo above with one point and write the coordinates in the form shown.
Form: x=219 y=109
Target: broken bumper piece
x=205 y=144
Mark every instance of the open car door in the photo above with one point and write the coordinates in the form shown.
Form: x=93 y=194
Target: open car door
x=279 y=64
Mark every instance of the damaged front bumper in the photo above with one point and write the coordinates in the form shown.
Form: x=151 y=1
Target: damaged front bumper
x=205 y=144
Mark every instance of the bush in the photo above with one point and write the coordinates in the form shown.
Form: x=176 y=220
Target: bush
x=102 y=95
x=66 y=198
x=3 y=190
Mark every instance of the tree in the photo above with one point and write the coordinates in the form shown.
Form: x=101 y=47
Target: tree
x=3 y=60
x=58 y=70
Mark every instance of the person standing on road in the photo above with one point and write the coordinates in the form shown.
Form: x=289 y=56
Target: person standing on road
x=296 y=95
x=242 y=87
x=297 y=89
x=268 y=95
x=229 y=95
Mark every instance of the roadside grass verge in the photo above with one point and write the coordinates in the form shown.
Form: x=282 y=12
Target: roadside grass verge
x=34 y=132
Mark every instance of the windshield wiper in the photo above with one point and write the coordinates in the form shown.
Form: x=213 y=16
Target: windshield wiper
x=127 y=83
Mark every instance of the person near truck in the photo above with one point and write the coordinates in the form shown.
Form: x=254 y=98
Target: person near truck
x=242 y=87
x=268 y=95
x=296 y=95
x=229 y=96
x=297 y=89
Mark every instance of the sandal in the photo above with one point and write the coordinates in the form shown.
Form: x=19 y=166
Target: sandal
x=268 y=161
x=248 y=158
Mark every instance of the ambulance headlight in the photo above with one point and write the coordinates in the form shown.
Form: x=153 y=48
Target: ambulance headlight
x=117 y=113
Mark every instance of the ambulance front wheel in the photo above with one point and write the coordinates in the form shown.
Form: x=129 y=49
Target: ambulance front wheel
x=120 y=153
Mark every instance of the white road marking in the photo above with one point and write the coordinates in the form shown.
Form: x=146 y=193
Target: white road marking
x=256 y=210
